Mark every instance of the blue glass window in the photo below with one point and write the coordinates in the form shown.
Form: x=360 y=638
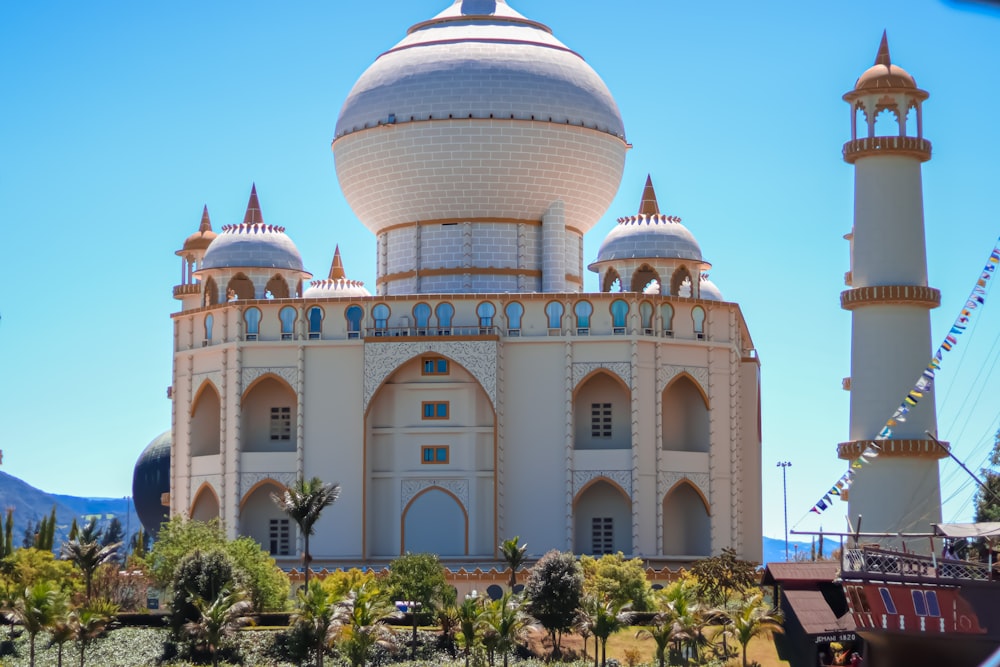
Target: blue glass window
x=434 y=410
x=646 y=313
x=354 y=315
x=421 y=315
x=209 y=320
x=435 y=366
x=919 y=605
x=315 y=322
x=667 y=312
x=514 y=313
x=434 y=454
x=252 y=318
x=486 y=311
x=554 y=311
x=698 y=317
x=583 y=311
x=890 y=606
x=380 y=314
x=445 y=312
x=932 y=603
x=619 y=313
x=287 y=316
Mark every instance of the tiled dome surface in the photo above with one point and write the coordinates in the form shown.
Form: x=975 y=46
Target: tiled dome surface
x=649 y=237
x=252 y=246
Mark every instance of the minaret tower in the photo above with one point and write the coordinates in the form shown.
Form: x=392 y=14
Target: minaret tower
x=890 y=302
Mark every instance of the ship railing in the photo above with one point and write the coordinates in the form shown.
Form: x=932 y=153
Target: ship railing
x=874 y=560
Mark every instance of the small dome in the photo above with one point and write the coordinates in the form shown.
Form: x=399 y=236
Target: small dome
x=202 y=238
x=150 y=480
x=252 y=246
x=649 y=237
x=709 y=290
x=883 y=74
x=320 y=289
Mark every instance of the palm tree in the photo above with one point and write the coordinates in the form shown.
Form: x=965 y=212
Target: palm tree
x=609 y=618
x=661 y=628
x=35 y=610
x=514 y=556
x=753 y=617
x=218 y=619
x=359 y=622
x=86 y=553
x=60 y=632
x=506 y=621
x=468 y=621
x=316 y=614
x=88 y=622
x=584 y=625
x=303 y=502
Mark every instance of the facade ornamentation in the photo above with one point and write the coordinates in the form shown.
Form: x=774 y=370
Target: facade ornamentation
x=413 y=487
x=215 y=377
x=622 y=478
x=249 y=479
x=477 y=357
x=664 y=374
x=287 y=373
x=622 y=369
x=699 y=479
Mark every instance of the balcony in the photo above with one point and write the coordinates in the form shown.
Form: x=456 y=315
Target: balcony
x=912 y=146
x=431 y=332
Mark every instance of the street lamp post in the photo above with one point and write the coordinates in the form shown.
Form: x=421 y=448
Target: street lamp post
x=785 y=465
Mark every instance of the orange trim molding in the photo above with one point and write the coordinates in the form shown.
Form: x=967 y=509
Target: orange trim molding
x=868 y=146
x=907 y=448
x=911 y=295
x=471 y=270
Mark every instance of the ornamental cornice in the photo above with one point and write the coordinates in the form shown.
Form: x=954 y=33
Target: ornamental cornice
x=911 y=295
x=411 y=488
x=666 y=373
x=622 y=369
x=215 y=377
x=622 y=478
x=289 y=374
x=477 y=357
x=668 y=480
x=903 y=448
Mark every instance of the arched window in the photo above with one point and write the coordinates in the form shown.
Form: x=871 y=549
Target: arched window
x=667 y=313
x=554 y=312
x=276 y=288
x=252 y=318
x=209 y=320
x=619 y=316
x=698 y=318
x=211 y=292
x=445 y=312
x=514 y=313
x=315 y=317
x=354 y=315
x=240 y=287
x=421 y=317
x=583 y=310
x=486 y=311
x=380 y=313
x=287 y=315
x=646 y=314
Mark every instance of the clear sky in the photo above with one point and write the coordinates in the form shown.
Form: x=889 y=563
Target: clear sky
x=120 y=120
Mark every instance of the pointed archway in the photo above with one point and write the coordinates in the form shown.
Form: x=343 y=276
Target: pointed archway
x=687 y=527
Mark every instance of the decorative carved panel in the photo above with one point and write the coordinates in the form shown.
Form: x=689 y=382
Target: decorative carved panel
x=477 y=357
x=622 y=478
x=622 y=369
x=667 y=480
x=249 y=479
x=666 y=373
x=288 y=373
x=412 y=487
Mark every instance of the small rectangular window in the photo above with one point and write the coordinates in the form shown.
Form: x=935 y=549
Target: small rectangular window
x=281 y=423
x=602 y=535
x=890 y=606
x=600 y=420
x=919 y=605
x=434 y=410
x=434 y=366
x=279 y=537
x=434 y=454
x=932 y=603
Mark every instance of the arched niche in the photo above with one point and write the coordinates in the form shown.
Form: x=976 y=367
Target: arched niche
x=277 y=286
x=611 y=279
x=240 y=287
x=642 y=277
x=434 y=521
x=261 y=519
x=687 y=527
x=602 y=413
x=268 y=416
x=602 y=519
x=680 y=280
x=205 y=505
x=686 y=416
x=211 y=292
x=205 y=421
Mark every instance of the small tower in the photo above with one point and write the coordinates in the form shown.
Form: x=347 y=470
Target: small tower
x=890 y=303
x=192 y=253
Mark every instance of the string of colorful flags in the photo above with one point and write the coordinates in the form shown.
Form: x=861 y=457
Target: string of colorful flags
x=923 y=384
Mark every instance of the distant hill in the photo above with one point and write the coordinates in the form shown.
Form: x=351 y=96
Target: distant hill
x=774 y=549
x=31 y=505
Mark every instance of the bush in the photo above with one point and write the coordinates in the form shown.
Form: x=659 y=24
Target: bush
x=204 y=574
x=266 y=584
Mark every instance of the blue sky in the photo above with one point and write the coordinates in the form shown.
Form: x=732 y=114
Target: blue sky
x=121 y=120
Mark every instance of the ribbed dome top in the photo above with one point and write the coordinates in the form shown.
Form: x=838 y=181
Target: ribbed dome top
x=477 y=58
x=252 y=246
x=319 y=289
x=650 y=237
x=709 y=290
x=202 y=238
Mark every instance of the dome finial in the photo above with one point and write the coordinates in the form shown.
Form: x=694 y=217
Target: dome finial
x=648 y=205
x=337 y=268
x=882 y=58
x=206 y=224
x=253 y=215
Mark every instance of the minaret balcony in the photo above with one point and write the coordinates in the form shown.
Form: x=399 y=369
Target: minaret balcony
x=180 y=291
x=908 y=146
x=878 y=295
x=925 y=449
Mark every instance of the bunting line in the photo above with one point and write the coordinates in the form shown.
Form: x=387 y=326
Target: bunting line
x=923 y=384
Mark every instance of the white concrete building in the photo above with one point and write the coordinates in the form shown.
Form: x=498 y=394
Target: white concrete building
x=890 y=303
x=479 y=393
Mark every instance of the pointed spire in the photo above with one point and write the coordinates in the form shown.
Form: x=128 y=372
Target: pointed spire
x=206 y=224
x=882 y=58
x=648 y=206
x=253 y=215
x=337 y=268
